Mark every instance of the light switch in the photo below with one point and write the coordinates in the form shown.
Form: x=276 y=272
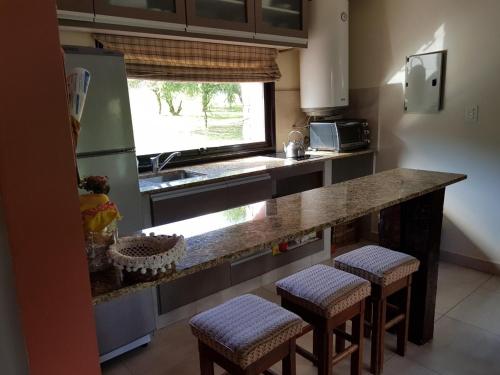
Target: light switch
x=472 y=114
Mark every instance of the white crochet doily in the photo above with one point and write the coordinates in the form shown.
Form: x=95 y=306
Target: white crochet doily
x=155 y=253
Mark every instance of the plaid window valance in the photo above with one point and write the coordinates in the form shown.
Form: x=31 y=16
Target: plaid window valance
x=180 y=60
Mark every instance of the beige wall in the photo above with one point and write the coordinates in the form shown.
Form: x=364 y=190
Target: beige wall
x=383 y=32
x=288 y=111
x=74 y=38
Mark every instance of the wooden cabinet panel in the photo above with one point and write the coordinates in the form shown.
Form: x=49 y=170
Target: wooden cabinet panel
x=187 y=203
x=79 y=10
x=297 y=179
x=248 y=190
x=352 y=167
x=191 y=288
x=161 y=11
x=219 y=15
x=191 y=202
x=281 y=17
x=249 y=268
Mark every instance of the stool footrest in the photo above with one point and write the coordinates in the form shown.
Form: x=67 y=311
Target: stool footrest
x=398 y=319
x=344 y=354
x=306 y=354
x=392 y=306
x=270 y=372
x=343 y=334
x=306 y=329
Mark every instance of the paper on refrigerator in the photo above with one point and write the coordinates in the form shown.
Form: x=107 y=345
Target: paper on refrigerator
x=78 y=85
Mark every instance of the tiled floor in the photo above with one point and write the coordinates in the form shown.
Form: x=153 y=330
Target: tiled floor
x=466 y=339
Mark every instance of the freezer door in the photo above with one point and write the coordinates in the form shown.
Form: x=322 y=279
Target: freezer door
x=106 y=122
x=121 y=169
x=123 y=320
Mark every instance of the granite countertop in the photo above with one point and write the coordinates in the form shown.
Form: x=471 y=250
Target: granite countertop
x=228 y=169
x=228 y=235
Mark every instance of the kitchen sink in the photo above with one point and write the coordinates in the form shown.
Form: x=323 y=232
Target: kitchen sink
x=172 y=176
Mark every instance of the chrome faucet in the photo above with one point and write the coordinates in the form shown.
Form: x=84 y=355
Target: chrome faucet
x=155 y=161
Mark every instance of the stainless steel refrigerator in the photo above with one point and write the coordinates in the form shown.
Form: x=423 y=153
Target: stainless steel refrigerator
x=106 y=148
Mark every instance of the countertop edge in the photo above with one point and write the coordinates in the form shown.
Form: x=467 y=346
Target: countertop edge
x=237 y=174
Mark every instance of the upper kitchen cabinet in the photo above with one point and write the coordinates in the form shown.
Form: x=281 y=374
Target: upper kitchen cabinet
x=281 y=20
x=151 y=14
x=77 y=10
x=278 y=22
x=232 y=18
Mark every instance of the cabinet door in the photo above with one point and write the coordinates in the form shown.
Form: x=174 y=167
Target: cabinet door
x=187 y=203
x=168 y=14
x=300 y=178
x=353 y=167
x=286 y=18
x=247 y=190
x=215 y=16
x=196 y=201
x=79 y=10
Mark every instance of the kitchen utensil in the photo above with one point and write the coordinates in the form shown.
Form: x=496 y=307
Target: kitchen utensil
x=295 y=148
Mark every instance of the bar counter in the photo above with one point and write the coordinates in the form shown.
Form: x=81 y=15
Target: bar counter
x=410 y=203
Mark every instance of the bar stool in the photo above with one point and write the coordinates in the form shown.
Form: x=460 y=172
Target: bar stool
x=389 y=272
x=327 y=298
x=246 y=336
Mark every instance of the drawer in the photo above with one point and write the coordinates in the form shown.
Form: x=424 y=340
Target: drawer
x=248 y=268
x=193 y=287
x=352 y=167
x=186 y=203
x=248 y=190
x=191 y=202
x=297 y=179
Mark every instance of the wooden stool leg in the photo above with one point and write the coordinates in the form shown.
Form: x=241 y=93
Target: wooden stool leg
x=325 y=352
x=368 y=317
x=340 y=341
x=402 y=331
x=206 y=363
x=378 y=332
x=288 y=363
x=316 y=344
x=358 y=324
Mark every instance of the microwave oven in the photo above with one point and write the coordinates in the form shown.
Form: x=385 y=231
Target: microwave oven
x=339 y=135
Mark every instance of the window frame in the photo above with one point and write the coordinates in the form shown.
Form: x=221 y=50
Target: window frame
x=211 y=154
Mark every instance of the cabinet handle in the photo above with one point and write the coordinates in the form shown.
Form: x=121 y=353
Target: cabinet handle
x=281 y=38
x=187 y=191
x=249 y=258
x=222 y=32
x=100 y=18
x=247 y=180
x=76 y=16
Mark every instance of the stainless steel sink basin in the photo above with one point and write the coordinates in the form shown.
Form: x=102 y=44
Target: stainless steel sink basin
x=171 y=176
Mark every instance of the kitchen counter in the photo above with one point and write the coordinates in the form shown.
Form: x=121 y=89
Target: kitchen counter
x=228 y=235
x=228 y=169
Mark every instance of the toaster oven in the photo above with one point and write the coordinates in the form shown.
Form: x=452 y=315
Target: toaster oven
x=339 y=135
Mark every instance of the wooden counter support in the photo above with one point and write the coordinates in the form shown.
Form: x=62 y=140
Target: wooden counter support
x=414 y=227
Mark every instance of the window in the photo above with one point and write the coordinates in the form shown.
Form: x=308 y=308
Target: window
x=200 y=119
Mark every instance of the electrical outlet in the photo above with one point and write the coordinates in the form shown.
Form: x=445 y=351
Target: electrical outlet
x=472 y=114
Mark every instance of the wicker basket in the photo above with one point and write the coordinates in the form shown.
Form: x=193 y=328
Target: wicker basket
x=144 y=258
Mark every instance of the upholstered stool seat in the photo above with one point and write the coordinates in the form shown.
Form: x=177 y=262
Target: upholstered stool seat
x=324 y=289
x=245 y=329
x=390 y=273
x=327 y=298
x=377 y=264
